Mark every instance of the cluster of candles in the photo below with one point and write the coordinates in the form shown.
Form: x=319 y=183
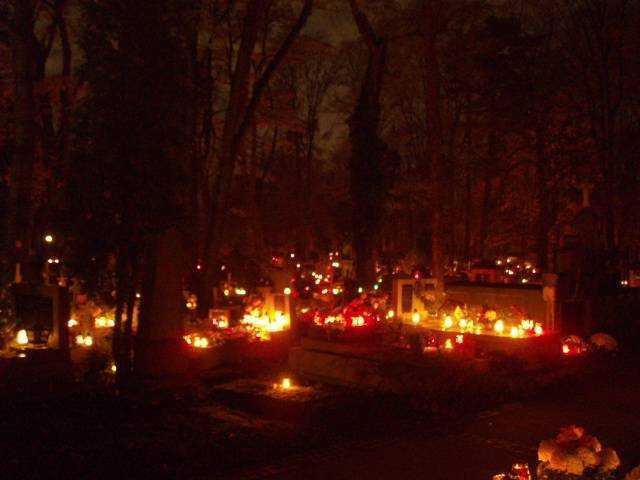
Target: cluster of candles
x=196 y=341
x=264 y=323
x=84 y=340
x=103 y=322
x=491 y=326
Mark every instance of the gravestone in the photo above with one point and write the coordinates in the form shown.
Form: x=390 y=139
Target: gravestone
x=43 y=311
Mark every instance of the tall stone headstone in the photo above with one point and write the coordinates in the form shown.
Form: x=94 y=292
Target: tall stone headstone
x=44 y=310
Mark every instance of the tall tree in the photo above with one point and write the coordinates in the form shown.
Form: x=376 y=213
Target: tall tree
x=22 y=16
x=240 y=112
x=368 y=150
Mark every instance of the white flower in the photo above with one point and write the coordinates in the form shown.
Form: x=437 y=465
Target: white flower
x=633 y=474
x=575 y=465
x=588 y=457
x=609 y=460
x=570 y=434
x=604 y=341
x=591 y=442
x=546 y=450
x=558 y=460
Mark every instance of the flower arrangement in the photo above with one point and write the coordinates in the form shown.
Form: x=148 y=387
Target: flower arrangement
x=576 y=454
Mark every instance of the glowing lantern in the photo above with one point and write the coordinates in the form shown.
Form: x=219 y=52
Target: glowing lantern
x=79 y=340
x=448 y=344
x=565 y=349
x=527 y=324
x=335 y=264
x=287 y=291
x=292 y=255
x=448 y=322
x=335 y=291
x=286 y=383
x=463 y=323
x=459 y=338
x=104 y=322
x=515 y=333
x=88 y=341
x=223 y=322
x=520 y=471
x=357 y=321
x=48 y=238
x=360 y=289
x=72 y=322
x=241 y=291
x=538 y=329
x=138 y=295
x=391 y=314
x=499 y=326
x=415 y=317
x=22 y=338
x=114 y=369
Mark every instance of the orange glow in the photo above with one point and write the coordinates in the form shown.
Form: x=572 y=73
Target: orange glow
x=286 y=383
x=565 y=349
x=448 y=344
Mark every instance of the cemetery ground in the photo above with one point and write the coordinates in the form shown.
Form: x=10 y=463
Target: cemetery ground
x=238 y=424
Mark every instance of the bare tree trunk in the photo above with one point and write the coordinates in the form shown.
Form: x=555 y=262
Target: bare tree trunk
x=124 y=369
x=434 y=134
x=159 y=346
x=467 y=219
x=23 y=66
x=367 y=152
x=487 y=194
x=121 y=281
x=239 y=117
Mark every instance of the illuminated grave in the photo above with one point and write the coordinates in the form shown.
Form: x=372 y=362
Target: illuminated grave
x=508 y=318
